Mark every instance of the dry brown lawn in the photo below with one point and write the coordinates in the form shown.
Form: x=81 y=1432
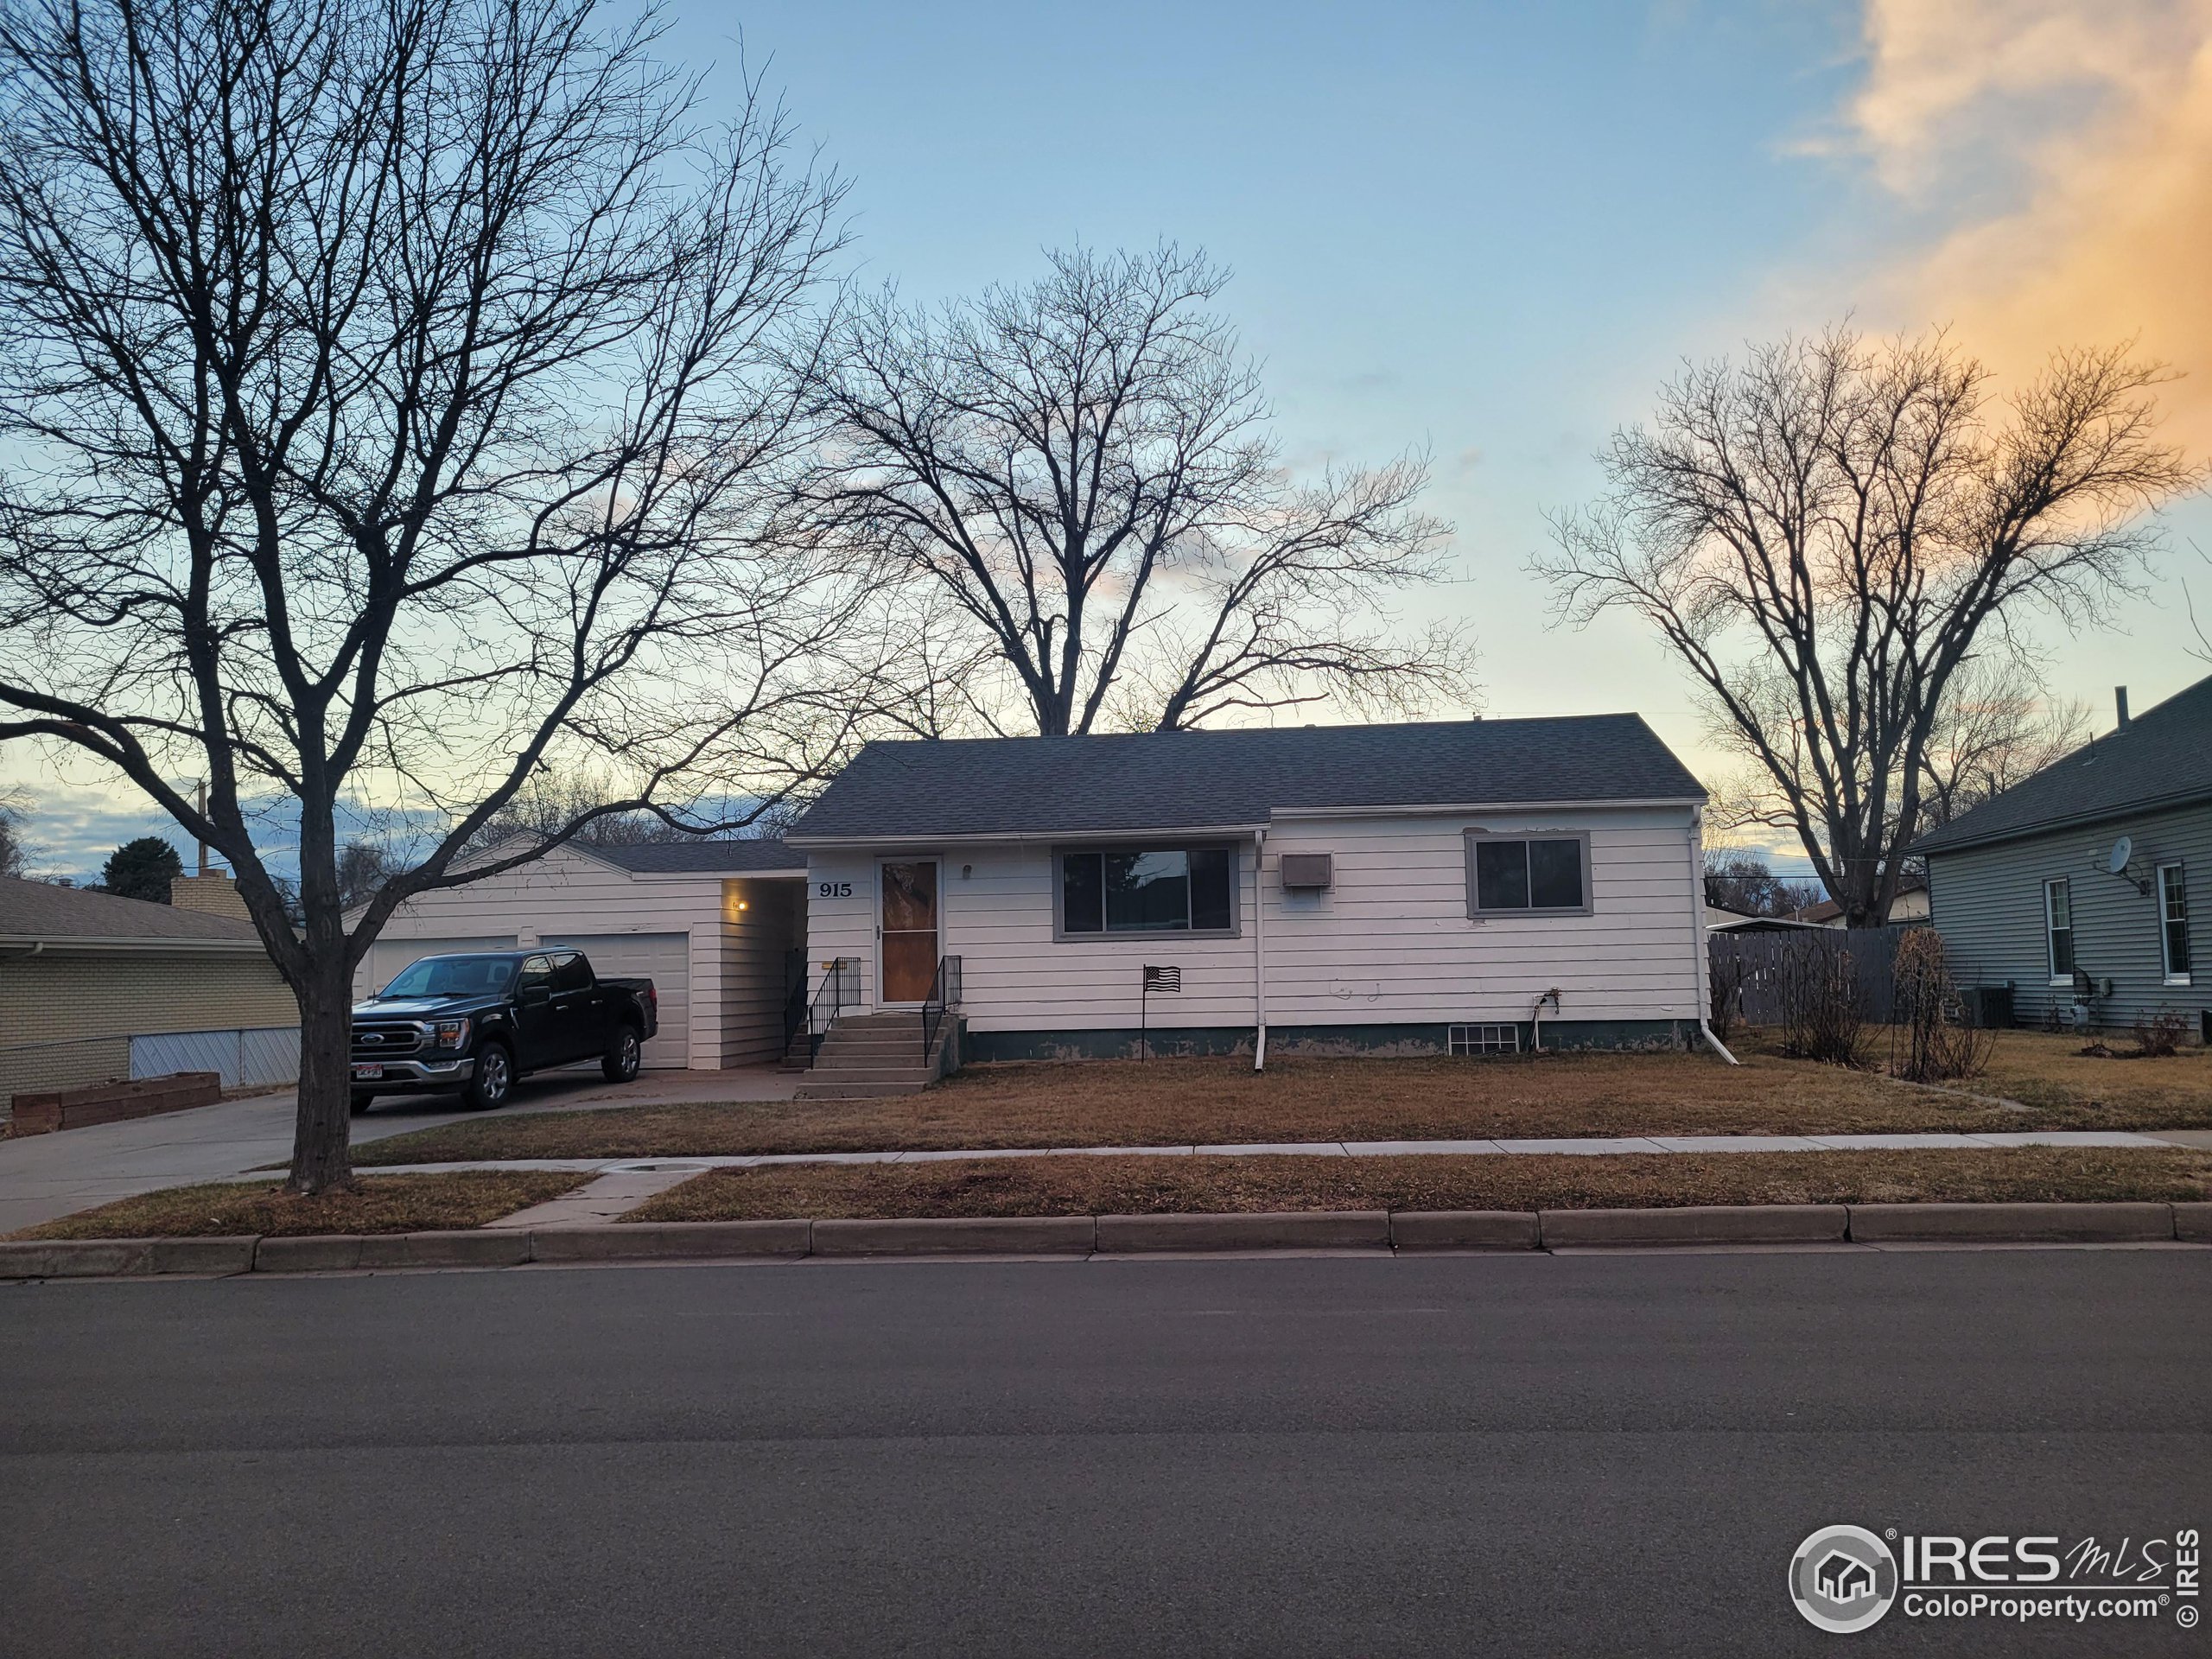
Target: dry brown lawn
x=1143 y=1185
x=389 y=1203
x=2046 y=1070
x=1216 y=1101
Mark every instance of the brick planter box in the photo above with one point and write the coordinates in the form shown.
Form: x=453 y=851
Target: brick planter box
x=111 y=1103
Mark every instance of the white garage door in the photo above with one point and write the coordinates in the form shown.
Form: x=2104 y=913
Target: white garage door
x=387 y=956
x=666 y=959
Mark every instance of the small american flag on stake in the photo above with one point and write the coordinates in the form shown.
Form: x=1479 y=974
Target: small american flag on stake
x=1156 y=979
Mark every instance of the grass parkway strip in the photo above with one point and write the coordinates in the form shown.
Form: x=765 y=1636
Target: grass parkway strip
x=2035 y=1082
x=1143 y=1185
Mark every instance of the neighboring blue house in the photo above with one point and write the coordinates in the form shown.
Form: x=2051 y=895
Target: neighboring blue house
x=2088 y=887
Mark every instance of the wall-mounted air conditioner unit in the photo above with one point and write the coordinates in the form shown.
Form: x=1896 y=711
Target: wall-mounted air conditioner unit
x=1308 y=871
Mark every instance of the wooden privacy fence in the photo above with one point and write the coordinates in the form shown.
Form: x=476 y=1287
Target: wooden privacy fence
x=1763 y=958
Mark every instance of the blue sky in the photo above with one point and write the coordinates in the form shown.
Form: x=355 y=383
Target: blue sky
x=1491 y=231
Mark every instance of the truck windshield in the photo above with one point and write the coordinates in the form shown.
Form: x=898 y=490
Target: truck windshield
x=452 y=976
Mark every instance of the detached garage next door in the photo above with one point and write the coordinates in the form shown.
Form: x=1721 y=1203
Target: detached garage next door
x=666 y=959
x=388 y=957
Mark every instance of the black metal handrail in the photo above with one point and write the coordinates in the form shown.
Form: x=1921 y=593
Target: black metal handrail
x=840 y=989
x=944 y=995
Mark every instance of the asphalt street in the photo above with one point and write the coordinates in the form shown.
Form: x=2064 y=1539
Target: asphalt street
x=1592 y=1454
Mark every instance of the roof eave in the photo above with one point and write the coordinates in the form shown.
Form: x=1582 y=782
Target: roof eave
x=1441 y=810
x=1462 y=809
x=985 y=837
x=1929 y=843
x=40 y=943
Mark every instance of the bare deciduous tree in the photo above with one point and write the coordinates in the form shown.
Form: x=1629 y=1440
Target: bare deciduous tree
x=386 y=381
x=1081 y=466
x=1996 y=727
x=15 y=851
x=1828 y=534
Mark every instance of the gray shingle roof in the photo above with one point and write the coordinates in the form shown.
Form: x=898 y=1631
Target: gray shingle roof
x=37 y=910
x=1191 y=780
x=756 y=855
x=2162 y=758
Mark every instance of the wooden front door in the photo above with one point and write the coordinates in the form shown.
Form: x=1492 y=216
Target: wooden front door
x=908 y=952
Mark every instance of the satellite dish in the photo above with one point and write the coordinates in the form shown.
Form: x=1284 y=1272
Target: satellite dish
x=2122 y=850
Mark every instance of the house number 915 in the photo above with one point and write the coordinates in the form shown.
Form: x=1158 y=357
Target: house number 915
x=833 y=889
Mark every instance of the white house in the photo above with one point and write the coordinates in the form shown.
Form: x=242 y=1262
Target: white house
x=1401 y=888
x=718 y=924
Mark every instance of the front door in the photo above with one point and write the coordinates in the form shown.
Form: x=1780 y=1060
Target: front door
x=907 y=953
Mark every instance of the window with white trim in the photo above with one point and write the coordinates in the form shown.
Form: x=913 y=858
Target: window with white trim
x=2172 y=890
x=2059 y=928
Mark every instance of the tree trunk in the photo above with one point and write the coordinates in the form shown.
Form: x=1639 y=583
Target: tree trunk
x=321 y=1149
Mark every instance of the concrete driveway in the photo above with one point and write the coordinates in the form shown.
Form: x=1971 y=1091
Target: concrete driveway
x=43 y=1176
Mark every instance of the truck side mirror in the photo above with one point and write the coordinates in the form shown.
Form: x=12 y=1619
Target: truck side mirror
x=532 y=995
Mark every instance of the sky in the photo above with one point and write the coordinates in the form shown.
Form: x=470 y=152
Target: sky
x=1490 y=232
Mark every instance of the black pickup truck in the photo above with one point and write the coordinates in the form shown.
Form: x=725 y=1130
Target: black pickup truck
x=477 y=1022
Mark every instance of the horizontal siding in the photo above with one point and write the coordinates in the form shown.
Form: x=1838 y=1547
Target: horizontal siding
x=1390 y=942
x=567 y=892
x=1988 y=904
x=753 y=945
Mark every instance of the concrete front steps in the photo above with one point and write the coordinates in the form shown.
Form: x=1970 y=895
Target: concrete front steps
x=867 y=1056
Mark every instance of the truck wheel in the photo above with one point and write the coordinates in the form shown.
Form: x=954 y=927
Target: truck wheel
x=619 y=1063
x=492 y=1081
x=361 y=1099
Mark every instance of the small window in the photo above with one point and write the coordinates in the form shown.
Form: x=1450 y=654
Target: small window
x=571 y=973
x=537 y=976
x=1148 y=890
x=1483 y=1039
x=1534 y=873
x=2058 y=923
x=2173 y=922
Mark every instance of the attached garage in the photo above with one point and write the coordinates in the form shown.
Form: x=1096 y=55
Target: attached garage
x=713 y=923
x=666 y=959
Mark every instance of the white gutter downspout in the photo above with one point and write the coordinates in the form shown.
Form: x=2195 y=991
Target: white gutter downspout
x=1698 y=950
x=1260 y=950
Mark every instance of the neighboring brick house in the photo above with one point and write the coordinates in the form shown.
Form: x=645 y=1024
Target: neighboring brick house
x=83 y=974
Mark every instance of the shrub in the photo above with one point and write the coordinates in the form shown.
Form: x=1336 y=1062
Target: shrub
x=1929 y=1037
x=1816 y=989
x=1726 y=972
x=2160 y=1034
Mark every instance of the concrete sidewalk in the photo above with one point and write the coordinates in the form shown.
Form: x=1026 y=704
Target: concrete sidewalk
x=43 y=1176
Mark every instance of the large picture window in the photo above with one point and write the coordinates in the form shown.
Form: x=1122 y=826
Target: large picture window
x=1508 y=874
x=2059 y=924
x=2173 y=922
x=1148 y=890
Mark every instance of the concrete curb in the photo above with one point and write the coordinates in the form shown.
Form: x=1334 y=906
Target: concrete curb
x=1328 y=1229
x=455 y=1250
x=1465 y=1230
x=75 y=1258
x=205 y=1255
x=669 y=1241
x=1359 y=1229
x=2012 y=1223
x=1771 y=1224
x=977 y=1235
